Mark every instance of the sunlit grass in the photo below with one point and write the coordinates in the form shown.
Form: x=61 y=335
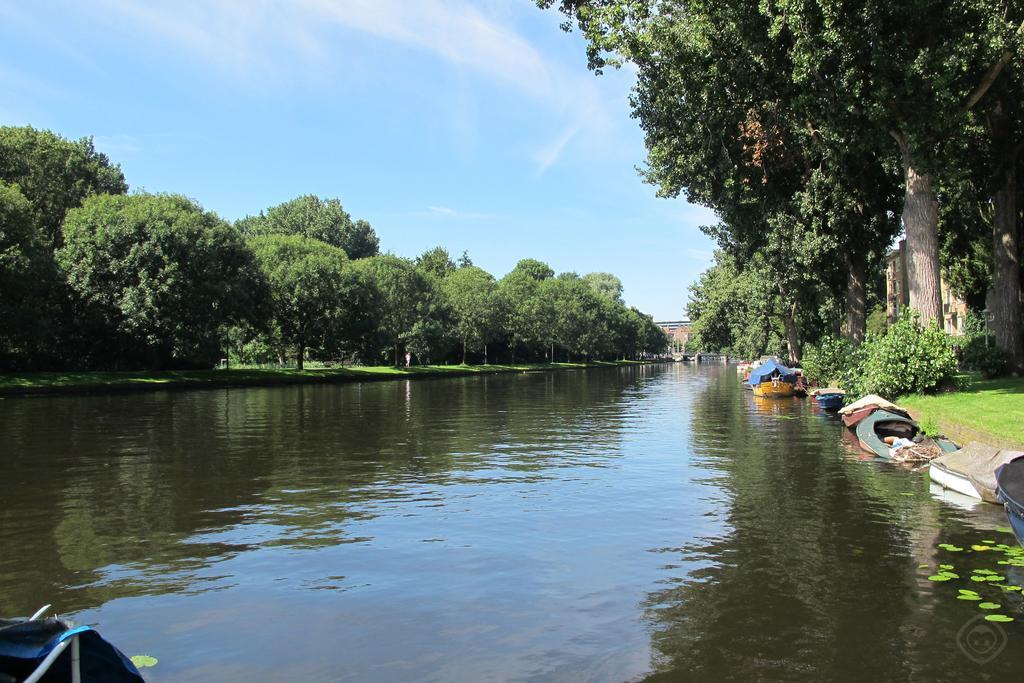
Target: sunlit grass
x=987 y=410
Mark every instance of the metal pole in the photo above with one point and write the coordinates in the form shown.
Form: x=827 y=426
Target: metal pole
x=76 y=660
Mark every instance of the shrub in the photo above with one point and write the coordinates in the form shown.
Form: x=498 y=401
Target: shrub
x=908 y=359
x=826 y=362
x=989 y=360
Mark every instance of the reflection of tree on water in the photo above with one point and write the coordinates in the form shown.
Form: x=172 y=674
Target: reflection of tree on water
x=112 y=496
x=818 y=577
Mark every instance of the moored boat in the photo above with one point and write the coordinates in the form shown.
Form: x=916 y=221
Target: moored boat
x=971 y=470
x=772 y=379
x=862 y=407
x=894 y=436
x=830 y=398
x=1010 y=488
x=49 y=649
x=881 y=424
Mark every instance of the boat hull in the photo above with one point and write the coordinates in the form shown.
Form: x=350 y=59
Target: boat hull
x=1010 y=489
x=830 y=402
x=773 y=389
x=883 y=423
x=953 y=481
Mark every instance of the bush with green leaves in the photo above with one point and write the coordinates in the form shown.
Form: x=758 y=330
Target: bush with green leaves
x=909 y=358
x=826 y=362
x=988 y=359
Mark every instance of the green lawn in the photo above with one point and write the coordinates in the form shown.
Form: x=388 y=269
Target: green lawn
x=59 y=382
x=991 y=411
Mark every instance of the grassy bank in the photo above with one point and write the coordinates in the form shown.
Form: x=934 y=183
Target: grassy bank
x=990 y=411
x=37 y=383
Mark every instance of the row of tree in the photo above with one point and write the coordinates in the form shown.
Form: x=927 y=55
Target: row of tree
x=93 y=277
x=818 y=131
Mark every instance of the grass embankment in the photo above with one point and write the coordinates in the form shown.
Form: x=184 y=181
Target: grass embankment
x=990 y=411
x=35 y=383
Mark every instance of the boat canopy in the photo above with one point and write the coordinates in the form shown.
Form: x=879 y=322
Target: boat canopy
x=869 y=401
x=30 y=644
x=769 y=370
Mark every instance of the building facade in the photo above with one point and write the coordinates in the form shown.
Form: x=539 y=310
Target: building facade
x=897 y=293
x=678 y=332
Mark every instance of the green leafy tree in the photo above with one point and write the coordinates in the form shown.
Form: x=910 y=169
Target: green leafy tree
x=519 y=290
x=317 y=300
x=405 y=298
x=55 y=174
x=436 y=262
x=476 y=307
x=155 y=280
x=26 y=270
x=320 y=219
x=605 y=284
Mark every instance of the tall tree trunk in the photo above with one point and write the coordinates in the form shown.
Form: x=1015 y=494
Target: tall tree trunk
x=551 y=358
x=921 y=221
x=513 y=350
x=856 y=298
x=485 y=354
x=300 y=357
x=464 y=352
x=1005 y=296
x=792 y=336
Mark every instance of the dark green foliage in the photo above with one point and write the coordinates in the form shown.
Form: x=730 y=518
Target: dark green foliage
x=155 y=280
x=908 y=359
x=319 y=219
x=27 y=273
x=55 y=174
x=988 y=359
x=878 y=321
x=826 y=362
x=317 y=300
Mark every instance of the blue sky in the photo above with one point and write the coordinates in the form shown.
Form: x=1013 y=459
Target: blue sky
x=471 y=125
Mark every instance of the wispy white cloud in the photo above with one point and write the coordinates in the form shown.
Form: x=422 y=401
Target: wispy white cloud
x=550 y=153
x=261 y=41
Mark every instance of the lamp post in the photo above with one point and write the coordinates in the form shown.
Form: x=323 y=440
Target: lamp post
x=988 y=317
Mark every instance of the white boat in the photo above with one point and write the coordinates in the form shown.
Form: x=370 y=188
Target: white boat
x=971 y=470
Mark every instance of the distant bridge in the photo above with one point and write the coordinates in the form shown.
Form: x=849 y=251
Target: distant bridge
x=684 y=357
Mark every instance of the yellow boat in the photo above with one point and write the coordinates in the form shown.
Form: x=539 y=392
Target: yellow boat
x=773 y=389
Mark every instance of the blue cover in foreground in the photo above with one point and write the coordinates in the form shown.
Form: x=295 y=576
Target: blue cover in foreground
x=24 y=645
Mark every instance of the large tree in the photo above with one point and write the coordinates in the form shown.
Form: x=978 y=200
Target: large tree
x=476 y=307
x=321 y=219
x=156 y=279
x=519 y=289
x=26 y=267
x=55 y=174
x=405 y=296
x=727 y=85
x=317 y=300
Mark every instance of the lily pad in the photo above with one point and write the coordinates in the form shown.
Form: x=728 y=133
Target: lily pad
x=967 y=591
x=142 y=661
x=989 y=605
x=939 y=577
x=968 y=597
x=945 y=566
x=980 y=548
x=979 y=578
x=989 y=542
x=1001 y=618
x=1004 y=529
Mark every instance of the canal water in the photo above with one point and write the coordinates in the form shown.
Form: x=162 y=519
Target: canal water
x=600 y=525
